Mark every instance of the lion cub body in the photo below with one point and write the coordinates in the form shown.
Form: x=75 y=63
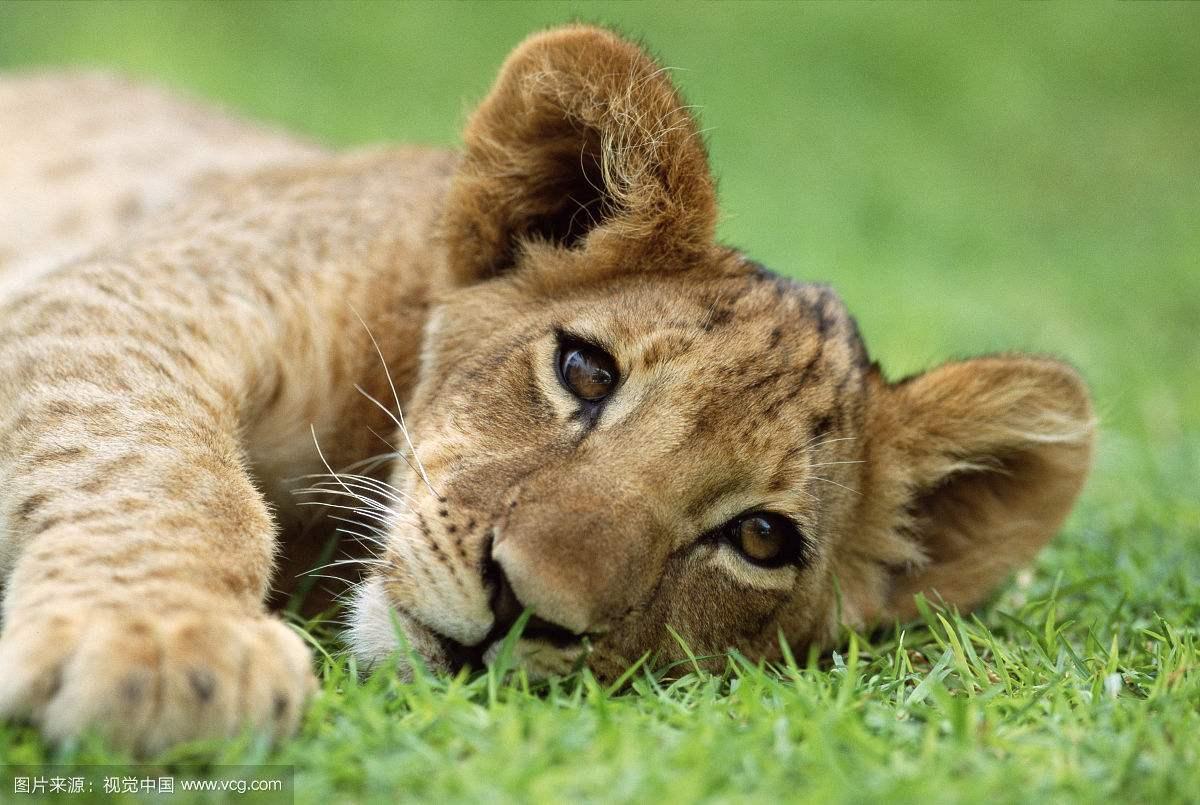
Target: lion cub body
x=197 y=313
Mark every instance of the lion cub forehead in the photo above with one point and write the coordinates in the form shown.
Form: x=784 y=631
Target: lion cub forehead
x=751 y=315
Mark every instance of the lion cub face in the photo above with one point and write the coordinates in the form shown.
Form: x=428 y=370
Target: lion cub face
x=640 y=436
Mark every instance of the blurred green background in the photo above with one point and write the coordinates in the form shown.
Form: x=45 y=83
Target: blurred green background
x=971 y=177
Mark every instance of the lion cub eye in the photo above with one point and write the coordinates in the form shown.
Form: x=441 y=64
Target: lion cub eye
x=766 y=539
x=588 y=371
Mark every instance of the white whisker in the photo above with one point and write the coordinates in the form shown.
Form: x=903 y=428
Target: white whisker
x=379 y=537
x=377 y=435
x=344 y=562
x=370 y=503
x=417 y=468
x=374 y=535
x=809 y=444
x=364 y=481
x=375 y=460
x=363 y=541
x=313 y=575
x=396 y=396
x=386 y=519
x=369 y=492
x=835 y=483
x=321 y=454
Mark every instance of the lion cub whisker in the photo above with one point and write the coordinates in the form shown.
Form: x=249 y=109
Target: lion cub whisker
x=418 y=467
x=810 y=446
x=399 y=417
x=383 y=517
x=835 y=483
x=370 y=503
x=356 y=561
x=363 y=482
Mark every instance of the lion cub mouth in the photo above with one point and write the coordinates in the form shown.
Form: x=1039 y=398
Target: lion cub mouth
x=507 y=610
x=536 y=630
x=380 y=626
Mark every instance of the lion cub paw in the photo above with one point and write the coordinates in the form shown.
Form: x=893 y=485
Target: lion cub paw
x=146 y=682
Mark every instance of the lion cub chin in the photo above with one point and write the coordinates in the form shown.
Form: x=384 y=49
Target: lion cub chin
x=600 y=422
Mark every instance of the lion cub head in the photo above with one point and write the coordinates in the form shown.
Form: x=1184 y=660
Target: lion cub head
x=629 y=429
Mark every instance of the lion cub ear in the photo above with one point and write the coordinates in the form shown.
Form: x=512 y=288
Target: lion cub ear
x=976 y=464
x=582 y=140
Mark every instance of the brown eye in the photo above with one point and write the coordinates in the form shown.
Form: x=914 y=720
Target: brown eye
x=766 y=539
x=589 y=372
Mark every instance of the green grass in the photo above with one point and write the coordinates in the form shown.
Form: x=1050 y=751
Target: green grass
x=972 y=179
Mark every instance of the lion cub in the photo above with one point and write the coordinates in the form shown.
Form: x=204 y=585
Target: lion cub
x=597 y=414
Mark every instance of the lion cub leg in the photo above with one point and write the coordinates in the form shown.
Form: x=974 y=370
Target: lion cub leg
x=136 y=551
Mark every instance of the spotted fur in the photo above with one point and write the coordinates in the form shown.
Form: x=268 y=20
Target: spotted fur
x=176 y=331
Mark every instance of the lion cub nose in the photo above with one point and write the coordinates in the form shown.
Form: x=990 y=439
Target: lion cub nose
x=548 y=604
x=573 y=569
x=507 y=608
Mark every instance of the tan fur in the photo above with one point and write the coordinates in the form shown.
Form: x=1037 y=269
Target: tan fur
x=162 y=377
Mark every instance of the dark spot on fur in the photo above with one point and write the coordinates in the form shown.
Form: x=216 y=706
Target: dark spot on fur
x=105 y=287
x=54 y=683
x=776 y=337
x=862 y=359
x=133 y=687
x=759 y=272
x=774 y=405
x=128 y=208
x=29 y=506
x=59 y=456
x=844 y=384
x=280 y=704
x=97 y=483
x=141 y=357
x=66 y=168
x=811 y=371
x=203 y=682
x=276 y=391
x=50 y=522
x=769 y=378
x=443 y=513
x=129 y=505
x=69 y=223
x=825 y=320
x=719 y=317
x=451 y=529
x=536 y=403
x=821 y=427
x=760 y=275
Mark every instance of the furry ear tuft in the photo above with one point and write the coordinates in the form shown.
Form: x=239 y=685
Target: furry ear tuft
x=582 y=134
x=976 y=465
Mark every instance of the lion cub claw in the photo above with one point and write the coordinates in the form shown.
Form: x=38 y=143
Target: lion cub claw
x=145 y=681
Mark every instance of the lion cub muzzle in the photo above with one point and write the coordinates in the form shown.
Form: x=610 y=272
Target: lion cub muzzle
x=580 y=561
